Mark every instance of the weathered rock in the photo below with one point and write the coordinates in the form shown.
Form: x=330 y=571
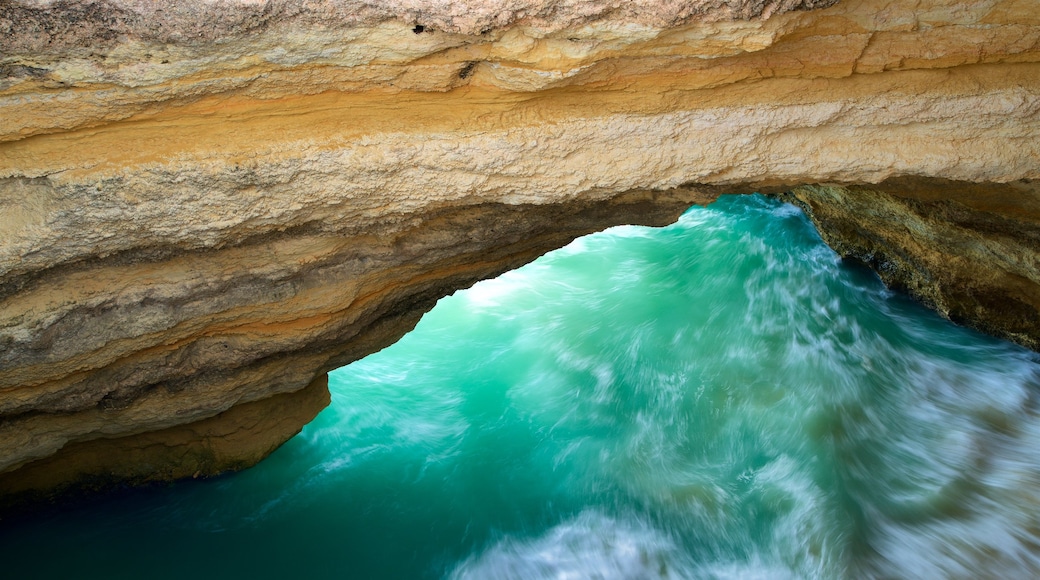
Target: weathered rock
x=205 y=206
x=970 y=251
x=234 y=439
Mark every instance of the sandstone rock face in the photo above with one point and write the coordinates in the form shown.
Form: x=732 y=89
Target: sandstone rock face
x=205 y=206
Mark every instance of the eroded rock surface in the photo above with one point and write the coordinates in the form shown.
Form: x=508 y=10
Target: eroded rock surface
x=205 y=206
x=970 y=251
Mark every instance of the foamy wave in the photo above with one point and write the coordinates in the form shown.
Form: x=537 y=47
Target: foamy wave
x=593 y=545
x=589 y=546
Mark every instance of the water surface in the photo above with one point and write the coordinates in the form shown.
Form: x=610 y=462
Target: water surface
x=721 y=398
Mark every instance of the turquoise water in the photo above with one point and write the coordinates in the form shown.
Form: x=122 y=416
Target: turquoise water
x=721 y=398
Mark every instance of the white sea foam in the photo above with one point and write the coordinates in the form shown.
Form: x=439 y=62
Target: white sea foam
x=590 y=545
x=593 y=545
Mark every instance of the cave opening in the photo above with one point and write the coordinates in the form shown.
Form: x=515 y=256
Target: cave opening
x=723 y=396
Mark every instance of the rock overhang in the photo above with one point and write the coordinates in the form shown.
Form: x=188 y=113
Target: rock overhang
x=210 y=207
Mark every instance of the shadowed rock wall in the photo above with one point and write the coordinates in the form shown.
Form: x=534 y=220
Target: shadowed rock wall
x=970 y=251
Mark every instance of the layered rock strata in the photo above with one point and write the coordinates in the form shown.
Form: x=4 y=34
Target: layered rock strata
x=204 y=207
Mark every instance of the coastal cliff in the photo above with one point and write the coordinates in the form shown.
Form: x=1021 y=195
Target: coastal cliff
x=206 y=206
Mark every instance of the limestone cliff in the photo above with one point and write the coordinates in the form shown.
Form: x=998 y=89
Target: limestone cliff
x=205 y=206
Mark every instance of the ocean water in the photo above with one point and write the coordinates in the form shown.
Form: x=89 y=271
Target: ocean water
x=720 y=398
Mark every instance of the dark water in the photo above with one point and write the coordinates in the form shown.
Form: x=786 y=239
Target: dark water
x=722 y=398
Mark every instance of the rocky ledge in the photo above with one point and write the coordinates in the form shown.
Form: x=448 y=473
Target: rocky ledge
x=206 y=206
